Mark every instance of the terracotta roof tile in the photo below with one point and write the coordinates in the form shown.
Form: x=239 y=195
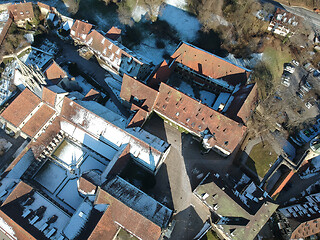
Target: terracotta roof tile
x=161 y=74
x=114 y=33
x=80 y=29
x=119 y=215
x=19 y=191
x=21 y=11
x=21 y=107
x=86 y=186
x=197 y=117
x=92 y=95
x=48 y=96
x=139 y=117
x=37 y=121
x=209 y=65
x=133 y=88
x=55 y=73
x=20 y=233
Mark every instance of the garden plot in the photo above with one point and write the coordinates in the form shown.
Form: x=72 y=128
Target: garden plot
x=68 y=153
x=70 y=195
x=51 y=176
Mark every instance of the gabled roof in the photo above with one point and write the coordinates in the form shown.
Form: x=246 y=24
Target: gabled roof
x=49 y=96
x=21 y=11
x=117 y=216
x=161 y=74
x=22 y=189
x=21 y=107
x=209 y=65
x=114 y=33
x=197 y=117
x=36 y=122
x=92 y=95
x=132 y=88
x=54 y=73
x=79 y=28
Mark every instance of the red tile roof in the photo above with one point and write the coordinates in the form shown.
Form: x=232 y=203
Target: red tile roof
x=119 y=215
x=21 y=107
x=161 y=74
x=92 y=95
x=49 y=96
x=21 y=11
x=55 y=73
x=139 y=117
x=133 y=88
x=20 y=233
x=86 y=186
x=306 y=229
x=197 y=117
x=37 y=121
x=208 y=64
x=19 y=191
x=114 y=33
x=80 y=28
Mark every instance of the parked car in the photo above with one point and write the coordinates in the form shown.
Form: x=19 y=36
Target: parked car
x=285 y=82
x=289 y=68
x=309 y=105
x=295 y=62
x=300 y=94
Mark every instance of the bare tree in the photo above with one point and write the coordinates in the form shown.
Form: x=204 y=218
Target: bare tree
x=72 y=5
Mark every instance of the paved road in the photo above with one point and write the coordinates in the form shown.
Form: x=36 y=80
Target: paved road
x=177 y=178
x=92 y=68
x=310 y=16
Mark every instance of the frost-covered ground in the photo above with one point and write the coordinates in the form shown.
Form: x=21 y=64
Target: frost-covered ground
x=148 y=49
x=4 y=15
x=186 y=24
x=247 y=63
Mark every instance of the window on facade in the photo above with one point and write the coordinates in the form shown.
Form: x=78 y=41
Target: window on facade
x=177 y=114
x=188 y=119
x=226 y=143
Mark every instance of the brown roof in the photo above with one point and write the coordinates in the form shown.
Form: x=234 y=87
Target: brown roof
x=91 y=95
x=21 y=11
x=139 y=117
x=243 y=104
x=19 y=191
x=80 y=28
x=48 y=96
x=55 y=73
x=119 y=215
x=20 y=233
x=197 y=117
x=114 y=33
x=21 y=107
x=208 y=64
x=86 y=186
x=133 y=88
x=37 y=121
x=161 y=75
x=306 y=229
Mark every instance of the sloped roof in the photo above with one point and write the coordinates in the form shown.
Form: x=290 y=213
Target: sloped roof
x=139 y=117
x=133 y=88
x=21 y=11
x=114 y=33
x=55 y=73
x=209 y=65
x=161 y=74
x=86 y=186
x=79 y=28
x=119 y=215
x=37 y=121
x=243 y=103
x=48 y=96
x=19 y=191
x=197 y=117
x=19 y=232
x=92 y=95
x=21 y=107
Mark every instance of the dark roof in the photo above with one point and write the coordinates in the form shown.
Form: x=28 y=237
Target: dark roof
x=21 y=107
x=21 y=11
x=161 y=74
x=208 y=64
x=119 y=215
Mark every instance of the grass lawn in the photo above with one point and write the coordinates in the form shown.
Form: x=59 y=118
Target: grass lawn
x=275 y=59
x=210 y=235
x=260 y=157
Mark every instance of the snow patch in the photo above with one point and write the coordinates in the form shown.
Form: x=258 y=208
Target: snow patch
x=6 y=228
